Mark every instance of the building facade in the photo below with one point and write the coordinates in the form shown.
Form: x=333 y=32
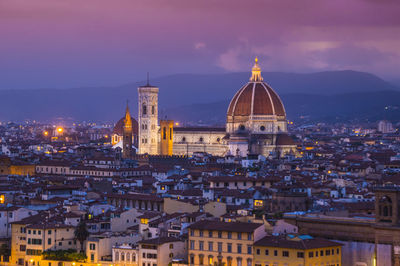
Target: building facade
x=297 y=250
x=223 y=243
x=256 y=124
x=148 y=119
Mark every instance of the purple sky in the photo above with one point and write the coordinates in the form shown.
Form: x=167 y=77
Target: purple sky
x=69 y=43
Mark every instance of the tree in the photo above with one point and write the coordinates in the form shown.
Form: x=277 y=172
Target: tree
x=81 y=233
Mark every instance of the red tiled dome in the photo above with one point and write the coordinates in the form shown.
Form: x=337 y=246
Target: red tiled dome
x=119 y=127
x=256 y=98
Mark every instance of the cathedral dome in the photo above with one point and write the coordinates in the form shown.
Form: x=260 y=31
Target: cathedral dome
x=256 y=98
x=119 y=127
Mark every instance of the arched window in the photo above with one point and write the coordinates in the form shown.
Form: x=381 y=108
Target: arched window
x=210 y=260
x=229 y=261
x=242 y=127
x=164 y=133
x=170 y=133
x=201 y=259
x=153 y=109
x=128 y=256
x=144 y=109
x=385 y=206
x=183 y=139
x=201 y=139
x=385 y=211
x=249 y=262
x=262 y=128
x=122 y=256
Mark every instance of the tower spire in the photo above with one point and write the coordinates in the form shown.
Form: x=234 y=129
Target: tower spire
x=128 y=119
x=256 y=72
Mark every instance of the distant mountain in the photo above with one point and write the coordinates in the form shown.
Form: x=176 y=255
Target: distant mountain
x=395 y=82
x=194 y=88
x=361 y=106
x=108 y=103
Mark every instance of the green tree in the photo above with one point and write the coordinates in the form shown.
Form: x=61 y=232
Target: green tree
x=81 y=233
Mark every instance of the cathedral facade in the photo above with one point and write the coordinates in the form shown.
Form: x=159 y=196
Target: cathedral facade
x=255 y=124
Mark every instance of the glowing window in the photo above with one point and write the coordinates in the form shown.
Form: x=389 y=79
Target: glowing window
x=258 y=203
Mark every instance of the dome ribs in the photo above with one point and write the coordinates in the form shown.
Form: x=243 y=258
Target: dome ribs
x=262 y=102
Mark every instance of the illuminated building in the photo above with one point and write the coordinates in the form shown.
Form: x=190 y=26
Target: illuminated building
x=256 y=119
x=297 y=250
x=30 y=239
x=148 y=119
x=223 y=243
x=127 y=150
x=385 y=127
x=160 y=251
x=118 y=132
x=256 y=124
x=167 y=133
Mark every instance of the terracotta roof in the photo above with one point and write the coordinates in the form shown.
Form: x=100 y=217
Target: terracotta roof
x=137 y=196
x=119 y=127
x=199 y=129
x=284 y=139
x=160 y=240
x=256 y=98
x=225 y=226
x=276 y=241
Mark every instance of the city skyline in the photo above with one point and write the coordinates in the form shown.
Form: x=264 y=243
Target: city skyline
x=266 y=133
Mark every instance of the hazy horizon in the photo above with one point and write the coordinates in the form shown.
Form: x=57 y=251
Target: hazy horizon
x=395 y=82
x=67 y=44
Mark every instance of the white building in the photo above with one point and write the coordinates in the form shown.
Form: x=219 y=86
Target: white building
x=148 y=119
x=9 y=215
x=385 y=126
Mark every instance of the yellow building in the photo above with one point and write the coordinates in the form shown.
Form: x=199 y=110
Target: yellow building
x=167 y=128
x=22 y=169
x=296 y=250
x=30 y=239
x=217 y=243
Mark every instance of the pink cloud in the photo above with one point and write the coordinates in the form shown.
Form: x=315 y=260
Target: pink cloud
x=110 y=42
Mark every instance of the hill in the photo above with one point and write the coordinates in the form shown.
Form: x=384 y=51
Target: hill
x=363 y=107
x=302 y=93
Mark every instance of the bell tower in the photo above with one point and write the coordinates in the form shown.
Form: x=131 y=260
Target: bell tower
x=148 y=119
x=127 y=137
